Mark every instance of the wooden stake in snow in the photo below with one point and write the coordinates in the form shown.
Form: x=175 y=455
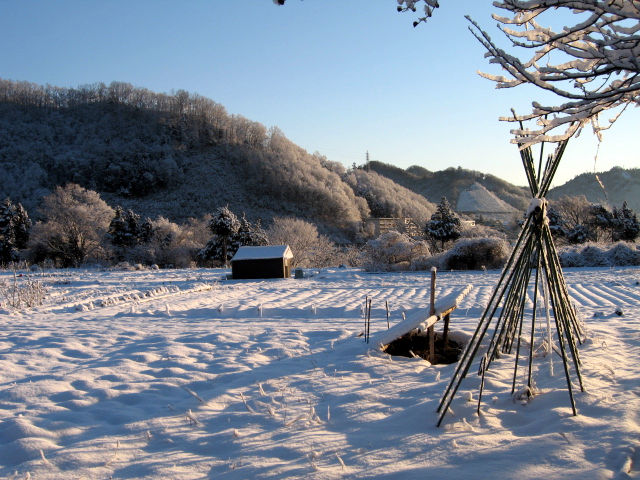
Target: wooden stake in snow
x=368 y=327
x=432 y=311
x=386 y=304
x=364 y=316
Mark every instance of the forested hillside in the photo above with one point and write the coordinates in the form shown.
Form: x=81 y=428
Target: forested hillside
x=613 y=188
x=181 y=156
x=450 y=183
x=178 y=155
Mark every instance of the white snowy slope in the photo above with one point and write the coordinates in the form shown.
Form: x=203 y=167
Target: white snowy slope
x=180 y=374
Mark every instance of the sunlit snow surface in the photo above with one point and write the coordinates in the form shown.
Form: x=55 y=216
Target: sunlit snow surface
x=182 y=374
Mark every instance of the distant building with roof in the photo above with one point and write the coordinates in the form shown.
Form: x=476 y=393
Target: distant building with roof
x=479 y=203
x=406 y=225
x=273 y=261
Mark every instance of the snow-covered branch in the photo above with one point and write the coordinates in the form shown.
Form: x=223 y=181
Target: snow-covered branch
x=593 y=64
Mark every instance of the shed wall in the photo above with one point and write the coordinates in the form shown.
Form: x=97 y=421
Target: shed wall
x=260 y=268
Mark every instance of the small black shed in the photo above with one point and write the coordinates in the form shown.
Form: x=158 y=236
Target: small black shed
x=273 y=261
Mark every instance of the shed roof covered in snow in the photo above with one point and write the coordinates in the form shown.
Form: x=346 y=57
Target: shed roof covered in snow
x=257 y=253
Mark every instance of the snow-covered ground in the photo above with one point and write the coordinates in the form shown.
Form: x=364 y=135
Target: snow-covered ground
x=182 y=374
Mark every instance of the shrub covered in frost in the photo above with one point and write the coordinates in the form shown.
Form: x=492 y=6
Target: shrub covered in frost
x=426 y=262
x=594 y=255
x=476 y=254
x=393 y=248
x=624 y=254
x=600 y=255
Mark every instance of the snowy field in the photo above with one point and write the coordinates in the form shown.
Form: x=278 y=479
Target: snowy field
x=181 y=374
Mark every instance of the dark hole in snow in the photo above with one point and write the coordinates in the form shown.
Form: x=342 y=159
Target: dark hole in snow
x=418 y=343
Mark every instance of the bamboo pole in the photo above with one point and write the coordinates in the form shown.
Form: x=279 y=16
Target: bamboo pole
x=481 y=329
x=432 y=311
x=534 y=242
x=386 y=304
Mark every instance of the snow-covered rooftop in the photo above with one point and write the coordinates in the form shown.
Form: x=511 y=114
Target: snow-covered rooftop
x=256 y=253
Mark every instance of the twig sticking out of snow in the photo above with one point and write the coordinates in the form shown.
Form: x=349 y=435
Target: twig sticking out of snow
x=192 y=419
x=44 y=459
x=115 y=454
x=193 y=394
x=296 y=419
x=246 y=405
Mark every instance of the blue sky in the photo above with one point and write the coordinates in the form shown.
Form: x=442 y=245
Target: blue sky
x=338 y=77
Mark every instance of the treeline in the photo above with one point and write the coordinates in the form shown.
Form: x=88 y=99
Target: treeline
x=195 y=120
x=450 y=183
x=177 y=155
x=387 y=199
x=575 y=220
x=77 y=227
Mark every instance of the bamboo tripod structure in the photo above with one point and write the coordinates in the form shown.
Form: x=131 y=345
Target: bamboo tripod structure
x=534 y=259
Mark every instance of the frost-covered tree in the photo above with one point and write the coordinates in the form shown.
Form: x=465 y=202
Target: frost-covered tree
x=167 y=245
x=556 y=223
x=224 y=225
x=393 y=248
x=74 y=226
x=15 y=226
x=579 y=233
x=125 y=229
x=249 y=234
x=444 y=225
x=626 y=225
x=229 y=235
x=571 y=217
x=309 y=248
x=600 y=222
x=591 y=64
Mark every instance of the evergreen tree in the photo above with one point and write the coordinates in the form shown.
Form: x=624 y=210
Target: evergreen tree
x=579 y=234
x=626 y=226
x=599 y=220
x=15 y=226
x=125 y=229
x=237 y=235
x=556 y=223
x=444 y=224
x=224 y=225
x=146 y=231
x=248 y=234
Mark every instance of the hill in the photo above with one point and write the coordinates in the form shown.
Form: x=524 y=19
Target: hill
x=182 y=155
x=616 y=186
x=179 y=156
x=451 y=183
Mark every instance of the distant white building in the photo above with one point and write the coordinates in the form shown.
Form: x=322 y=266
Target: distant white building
x=478 y=202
